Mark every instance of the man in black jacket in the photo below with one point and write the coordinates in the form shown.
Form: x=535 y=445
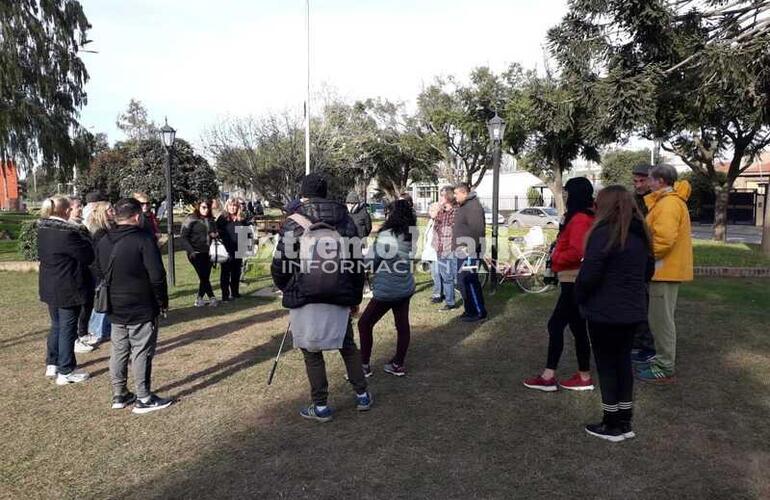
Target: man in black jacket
x=468 y=234
x=130 y=263
x=644 y=342
x=359 y=214
x=310 y=311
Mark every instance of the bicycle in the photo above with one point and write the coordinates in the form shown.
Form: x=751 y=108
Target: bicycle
x=526 y=268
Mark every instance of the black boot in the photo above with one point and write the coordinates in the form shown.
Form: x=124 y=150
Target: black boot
x=625 y=418
x=608 y=429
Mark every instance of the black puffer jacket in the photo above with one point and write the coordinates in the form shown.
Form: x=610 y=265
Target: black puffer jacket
x=612 y=285
x=361 y=219
x=138 y=288
x=228 y=234
x=195 y=234
x=65 y=252
x=334 y=214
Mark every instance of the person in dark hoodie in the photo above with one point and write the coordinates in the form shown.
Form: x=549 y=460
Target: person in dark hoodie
x=129 y=260
x=359 y=214
x=65 y=285
x=565 y=259
x=314 y=313
x=467 y=234
x=611 y=290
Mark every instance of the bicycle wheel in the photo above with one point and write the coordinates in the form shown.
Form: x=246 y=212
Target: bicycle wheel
x=528 y=271
x=483 y=273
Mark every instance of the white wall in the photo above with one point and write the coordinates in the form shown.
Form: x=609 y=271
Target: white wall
x=513 y=190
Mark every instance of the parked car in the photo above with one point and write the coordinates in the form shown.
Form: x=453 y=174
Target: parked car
x=377 y=210
x=546 y=217
x=488 y=217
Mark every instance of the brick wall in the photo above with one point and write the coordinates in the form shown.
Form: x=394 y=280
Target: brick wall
x=11 y=181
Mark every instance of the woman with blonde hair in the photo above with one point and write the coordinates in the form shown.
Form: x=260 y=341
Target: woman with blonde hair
x=66 y=285
x=227 y=227
x=100 y=221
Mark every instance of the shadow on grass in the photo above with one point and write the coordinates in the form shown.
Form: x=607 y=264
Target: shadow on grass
x=23 y=339
x=460 y=425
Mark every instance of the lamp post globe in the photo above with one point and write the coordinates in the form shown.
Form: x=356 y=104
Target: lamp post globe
x=496 y=127
x=168 y=135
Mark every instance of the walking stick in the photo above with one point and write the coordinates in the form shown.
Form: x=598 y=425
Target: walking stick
x=277 y=356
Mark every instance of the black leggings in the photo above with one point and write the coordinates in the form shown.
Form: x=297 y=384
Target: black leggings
x=373 y=313
x=202 y=265
x=230 y=278
x=566 y=313
x=612 y=351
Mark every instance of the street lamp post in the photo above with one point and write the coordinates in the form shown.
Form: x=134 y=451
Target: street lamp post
x=168 y=135
x=496 y=126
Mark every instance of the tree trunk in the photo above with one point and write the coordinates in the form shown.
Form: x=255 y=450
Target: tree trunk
x=766 y=224
x=557 y=188
x=722 y=193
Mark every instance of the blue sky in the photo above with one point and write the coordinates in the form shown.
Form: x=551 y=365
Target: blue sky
x=200 y=61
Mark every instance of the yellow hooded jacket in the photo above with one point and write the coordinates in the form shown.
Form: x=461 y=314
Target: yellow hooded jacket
x=669 y=222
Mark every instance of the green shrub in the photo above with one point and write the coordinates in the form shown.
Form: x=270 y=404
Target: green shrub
x=28 y=240
x=534 y=197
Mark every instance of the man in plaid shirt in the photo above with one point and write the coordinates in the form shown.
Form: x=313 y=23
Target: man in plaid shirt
x=443 y=215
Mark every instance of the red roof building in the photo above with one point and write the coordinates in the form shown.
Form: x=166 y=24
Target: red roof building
x=9 y=187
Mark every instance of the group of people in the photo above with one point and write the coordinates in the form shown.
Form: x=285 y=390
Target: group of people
x=619 y=263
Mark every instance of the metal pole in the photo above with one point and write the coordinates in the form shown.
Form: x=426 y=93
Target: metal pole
x=495 y=212
x=170 y=221
x=307 y=95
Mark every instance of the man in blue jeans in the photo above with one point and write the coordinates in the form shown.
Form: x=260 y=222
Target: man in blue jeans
x=445 y=266
x=468 y=233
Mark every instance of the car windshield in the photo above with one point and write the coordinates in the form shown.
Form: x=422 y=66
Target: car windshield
x=551 y=211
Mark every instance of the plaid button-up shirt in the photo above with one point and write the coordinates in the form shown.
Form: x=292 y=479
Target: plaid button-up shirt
x=442 y=225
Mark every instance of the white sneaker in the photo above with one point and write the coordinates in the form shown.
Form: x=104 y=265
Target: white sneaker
x=51 y=370
x=82 y=347
x=73 y=377
x=199 y=302
x=213 y=302
x=91 y=340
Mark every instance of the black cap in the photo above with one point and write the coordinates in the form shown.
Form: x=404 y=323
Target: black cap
x=642 y=169
x=313 y=186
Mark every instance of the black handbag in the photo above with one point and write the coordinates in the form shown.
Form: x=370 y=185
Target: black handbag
x=102 y=295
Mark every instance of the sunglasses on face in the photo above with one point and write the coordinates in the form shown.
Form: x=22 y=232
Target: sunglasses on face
x=204 y=207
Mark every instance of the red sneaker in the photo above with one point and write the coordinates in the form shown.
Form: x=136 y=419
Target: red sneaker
x=541 y=384
x=575 y=383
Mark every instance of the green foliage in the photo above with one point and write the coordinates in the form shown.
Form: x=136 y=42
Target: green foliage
x=136 y=124
x=43 y=81
x=28 y=240
x=617 y=166
x=534 y=197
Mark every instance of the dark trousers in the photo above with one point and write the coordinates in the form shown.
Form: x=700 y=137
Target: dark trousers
x=316 y=369
x=373 y=313
x=567 y=313
x=85 y=317
x=202 y=265
x=612 y=351
x=61 y=339
x=643 y=340
x=230 y=278
x=470 y=288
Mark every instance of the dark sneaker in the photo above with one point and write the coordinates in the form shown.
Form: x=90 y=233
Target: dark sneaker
x=473 y=319
x=313 y=413
x=653 y=375
x=447 y=307
x=120 y=402
x=603 y=431
x=154 y=404
x=642 y=356
x=541 y=384
x=364 y=401
x=367 y=370
x=437 y=300
x=395 y=369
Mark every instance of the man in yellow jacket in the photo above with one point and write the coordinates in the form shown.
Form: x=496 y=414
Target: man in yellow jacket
x=669 y=222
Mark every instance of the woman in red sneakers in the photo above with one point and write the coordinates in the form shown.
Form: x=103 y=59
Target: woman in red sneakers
x=565 y=261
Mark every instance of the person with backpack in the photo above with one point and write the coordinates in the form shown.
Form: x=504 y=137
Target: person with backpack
x=360 y=215
x=611 y=290
x=322 y=290
x=392 y=286
x=565 y=261
x=228 y=225
x=198 y=231
x=130 y=265
x=65 y=285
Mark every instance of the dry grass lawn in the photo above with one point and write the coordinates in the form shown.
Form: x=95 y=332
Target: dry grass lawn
x=459 y=425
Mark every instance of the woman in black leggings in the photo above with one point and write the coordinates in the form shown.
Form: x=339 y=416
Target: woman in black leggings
x=392 y=286
x=611 y=290
x=197 y=231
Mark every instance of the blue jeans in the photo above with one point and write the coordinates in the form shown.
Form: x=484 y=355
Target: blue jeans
x=61 y=338
x=438 y=289
x=447 y=270
x=470 y=287
x=99 y=326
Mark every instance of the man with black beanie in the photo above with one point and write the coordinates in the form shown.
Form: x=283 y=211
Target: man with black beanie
x=316 y=314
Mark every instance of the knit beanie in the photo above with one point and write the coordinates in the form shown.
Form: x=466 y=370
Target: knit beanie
x=313 y=186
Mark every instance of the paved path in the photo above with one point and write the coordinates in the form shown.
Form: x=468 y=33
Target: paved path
x=735 y=234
